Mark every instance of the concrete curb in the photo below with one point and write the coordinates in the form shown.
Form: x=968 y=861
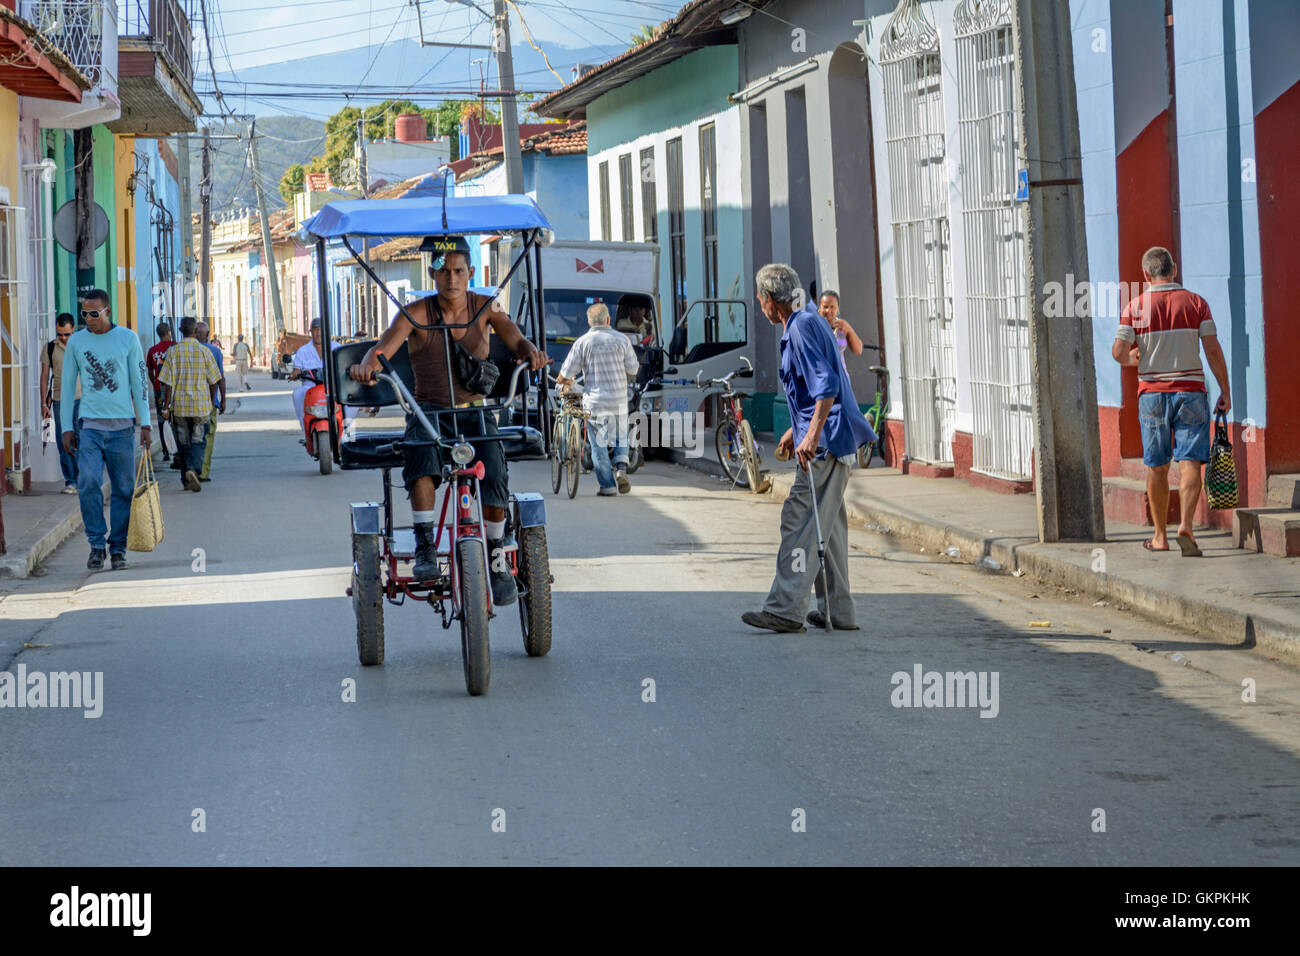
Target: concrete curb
x=49 y=534
x=1048 y=565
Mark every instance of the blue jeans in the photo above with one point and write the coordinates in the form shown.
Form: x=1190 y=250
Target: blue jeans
x=116 y=449
x=604 y=429
x=67 y=463
x=1175 y=425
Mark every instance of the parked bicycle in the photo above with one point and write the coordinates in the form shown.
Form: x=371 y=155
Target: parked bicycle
x=738 y=452
x=568 y=438
x=876 y=414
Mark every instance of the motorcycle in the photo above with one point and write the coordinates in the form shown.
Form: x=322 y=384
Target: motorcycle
x=315 y=419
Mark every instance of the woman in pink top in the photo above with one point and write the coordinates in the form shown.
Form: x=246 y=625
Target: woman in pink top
x=829 y=306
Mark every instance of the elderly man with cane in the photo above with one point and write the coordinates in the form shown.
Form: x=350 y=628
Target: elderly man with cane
x=826 y=430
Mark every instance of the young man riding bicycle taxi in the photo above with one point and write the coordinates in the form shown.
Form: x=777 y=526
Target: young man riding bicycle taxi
x=439 y=388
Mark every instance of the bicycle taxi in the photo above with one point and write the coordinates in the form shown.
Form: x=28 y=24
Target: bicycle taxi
x=381 y=550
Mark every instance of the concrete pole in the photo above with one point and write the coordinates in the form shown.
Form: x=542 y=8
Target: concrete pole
x=371 y=322
x=1067 y=444
x=83 y=152
x=187 y=232
x=268 y=250
x=205 y=226
x=509 y=116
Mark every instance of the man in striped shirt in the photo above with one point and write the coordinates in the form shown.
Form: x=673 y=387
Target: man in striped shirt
x=1162 y=332
x=608 y=361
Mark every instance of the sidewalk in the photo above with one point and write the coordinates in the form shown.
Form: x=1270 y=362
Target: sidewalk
x=1239 y=597
x=39 y=521
x=35 y=524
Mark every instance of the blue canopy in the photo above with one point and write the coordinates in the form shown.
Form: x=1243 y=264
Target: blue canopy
x=423 y=216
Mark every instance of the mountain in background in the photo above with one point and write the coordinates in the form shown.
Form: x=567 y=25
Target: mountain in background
x=402 y=65
x=280 y=144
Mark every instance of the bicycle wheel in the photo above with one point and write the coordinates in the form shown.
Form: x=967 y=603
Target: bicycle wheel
x=749 y=452
x=573 y=462
x=635 y=459
x=557 y=456
x=727 y=441
x=474 y=647
x=868 y=451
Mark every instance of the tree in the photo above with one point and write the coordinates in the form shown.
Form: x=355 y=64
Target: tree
x=644 y=34
x=292 y=181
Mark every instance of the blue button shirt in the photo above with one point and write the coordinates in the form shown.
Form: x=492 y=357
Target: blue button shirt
x=216 y=354
x=811 y=370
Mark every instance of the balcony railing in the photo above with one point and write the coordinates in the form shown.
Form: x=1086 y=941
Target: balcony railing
x=77 y=28
x=166 y=23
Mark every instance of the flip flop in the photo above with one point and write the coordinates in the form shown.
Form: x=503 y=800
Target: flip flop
x=1147 y=544
x=1189 y=547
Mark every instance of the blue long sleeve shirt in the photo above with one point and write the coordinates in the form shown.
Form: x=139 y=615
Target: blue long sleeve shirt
x=112 y=374
x=811 y=369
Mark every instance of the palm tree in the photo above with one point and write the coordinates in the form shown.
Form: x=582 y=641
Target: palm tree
x=645 y=34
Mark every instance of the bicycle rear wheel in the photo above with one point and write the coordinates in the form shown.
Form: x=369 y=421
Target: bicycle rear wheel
x=727 y=441
x=557 y=458
x=573 y=461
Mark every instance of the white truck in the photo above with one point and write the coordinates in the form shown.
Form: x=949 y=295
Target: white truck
x=711 y=339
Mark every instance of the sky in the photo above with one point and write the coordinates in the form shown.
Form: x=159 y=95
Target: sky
x=246 y=33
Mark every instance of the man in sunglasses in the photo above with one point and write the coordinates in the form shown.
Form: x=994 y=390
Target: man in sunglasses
x=52 y=393
x=107 y=362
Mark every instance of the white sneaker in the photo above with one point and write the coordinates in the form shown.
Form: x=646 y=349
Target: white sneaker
x=69 y=489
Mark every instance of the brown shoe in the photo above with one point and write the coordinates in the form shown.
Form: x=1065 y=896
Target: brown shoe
x=192 y=481
x=770 y=622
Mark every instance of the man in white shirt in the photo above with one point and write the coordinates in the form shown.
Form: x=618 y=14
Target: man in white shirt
x=308 y=359
x=243 y=358
x=608 y=361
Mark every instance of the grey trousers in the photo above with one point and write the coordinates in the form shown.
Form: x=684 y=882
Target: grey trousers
x=796 y=561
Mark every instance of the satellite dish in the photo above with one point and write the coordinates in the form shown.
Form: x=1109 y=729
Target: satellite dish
x=65 y=225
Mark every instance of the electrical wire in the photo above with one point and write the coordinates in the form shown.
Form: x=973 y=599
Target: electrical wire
x=528 y=35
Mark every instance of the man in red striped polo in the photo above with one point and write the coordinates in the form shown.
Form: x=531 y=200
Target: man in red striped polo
x=1162 y=332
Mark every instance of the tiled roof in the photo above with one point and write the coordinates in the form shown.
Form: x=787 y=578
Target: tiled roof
x=401 y=249
x=567 y=139
x=697 y=24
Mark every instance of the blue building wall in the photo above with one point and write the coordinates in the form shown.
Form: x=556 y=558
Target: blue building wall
x=1219 y=213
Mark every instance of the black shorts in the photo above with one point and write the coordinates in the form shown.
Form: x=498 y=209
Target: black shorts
x=427 y=459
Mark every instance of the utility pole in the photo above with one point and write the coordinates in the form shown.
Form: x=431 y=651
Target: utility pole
x=187 y=231
x=268 y=250
x=83 y=152
x=205 y=243
x=1067 y=444
x=363 y=179
x=509 y=118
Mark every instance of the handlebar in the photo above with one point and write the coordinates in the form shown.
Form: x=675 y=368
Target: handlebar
x=745 y=371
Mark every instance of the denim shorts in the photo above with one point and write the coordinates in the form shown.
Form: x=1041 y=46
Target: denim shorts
x=1175 y=425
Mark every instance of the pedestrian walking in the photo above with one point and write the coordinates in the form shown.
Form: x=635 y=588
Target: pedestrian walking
x=153 y=360
x=52 y=394
x=210 y=438
x=191 y=389
x=107 y=362
x=607 y=360
x=825 y=433
x=243 y=356
x=1162 y=332
x=845 y=338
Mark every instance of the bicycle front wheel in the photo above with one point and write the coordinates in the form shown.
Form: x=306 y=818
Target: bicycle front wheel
x=749 y=451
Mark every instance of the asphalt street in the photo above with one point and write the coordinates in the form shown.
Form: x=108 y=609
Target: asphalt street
x=225 y=654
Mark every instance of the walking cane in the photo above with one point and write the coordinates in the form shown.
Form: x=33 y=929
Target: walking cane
x=821 y=550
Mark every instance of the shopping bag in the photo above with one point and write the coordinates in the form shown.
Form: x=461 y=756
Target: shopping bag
x=1221 y=472
x=145 y=531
